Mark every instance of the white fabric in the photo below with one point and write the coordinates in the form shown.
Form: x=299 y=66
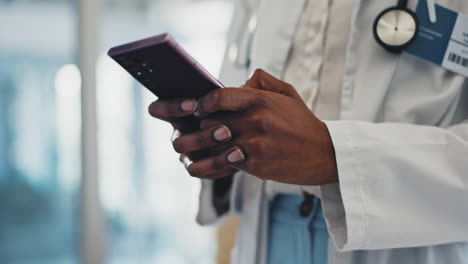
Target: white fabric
x=401 y=144
x=303 y=72
x=307 y=51
x=315 y=67
x=408 y=179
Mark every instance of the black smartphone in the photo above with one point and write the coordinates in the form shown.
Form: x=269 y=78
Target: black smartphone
x=165 y=68
x=161 y=65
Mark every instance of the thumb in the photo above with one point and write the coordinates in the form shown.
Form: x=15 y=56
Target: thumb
x=264 y=81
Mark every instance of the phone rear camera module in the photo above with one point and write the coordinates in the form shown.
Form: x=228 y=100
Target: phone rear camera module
x=124 y=61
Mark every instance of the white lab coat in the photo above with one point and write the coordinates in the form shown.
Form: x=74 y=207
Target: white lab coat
x=401 y=146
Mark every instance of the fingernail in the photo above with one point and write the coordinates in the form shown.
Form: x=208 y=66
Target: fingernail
x=189 y=105
x=186 y=161
x=223 y=133
x=175 y=135
x=235 y=156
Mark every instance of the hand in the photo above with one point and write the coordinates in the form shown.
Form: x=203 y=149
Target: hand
x=179 y=112
x=271 y=134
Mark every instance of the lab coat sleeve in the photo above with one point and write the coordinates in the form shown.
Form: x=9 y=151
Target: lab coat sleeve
x=400 y=185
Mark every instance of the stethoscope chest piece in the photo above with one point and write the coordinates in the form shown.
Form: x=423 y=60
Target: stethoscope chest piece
x=395 y=28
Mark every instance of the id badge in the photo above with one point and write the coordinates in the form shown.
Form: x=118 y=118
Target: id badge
x=444 y=42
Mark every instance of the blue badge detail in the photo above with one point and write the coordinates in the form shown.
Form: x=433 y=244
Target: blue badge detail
x=433 y=38
x=445 y=42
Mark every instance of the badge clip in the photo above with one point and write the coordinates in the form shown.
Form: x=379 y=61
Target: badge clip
x=432 y=11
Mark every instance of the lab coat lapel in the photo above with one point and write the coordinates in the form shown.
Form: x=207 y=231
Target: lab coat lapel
x=277 y=21
x=367 y=65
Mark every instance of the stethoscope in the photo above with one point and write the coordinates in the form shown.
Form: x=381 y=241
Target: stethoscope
x=395 y=28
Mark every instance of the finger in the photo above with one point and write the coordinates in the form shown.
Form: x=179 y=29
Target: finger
x=227 y=99
x=202 y=140
x=186 y=124
x=186 y=161
x=211 y=122
x=202 y=168
x=226 y=118
x=169 y=109
x=188 y=158
x=265 y=81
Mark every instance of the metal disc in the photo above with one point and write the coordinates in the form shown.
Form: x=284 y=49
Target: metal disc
x=396 y=27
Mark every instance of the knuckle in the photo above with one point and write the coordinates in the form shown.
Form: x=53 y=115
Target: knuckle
x=256 y=145
x=208 y=123
x=204 y=123
x=212 y=101
x=256 y=116
x=261 y=120
x=262 y=99
x=249 y=144
x=267 y=121
x=170 y=109
x=218 y=97
x=261 y=147
x=259 y=72
x=202 y=141
x=253 y=164
x=219 y=164
x=225 y=95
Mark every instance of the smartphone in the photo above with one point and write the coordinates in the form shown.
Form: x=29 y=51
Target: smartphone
x=161 y=65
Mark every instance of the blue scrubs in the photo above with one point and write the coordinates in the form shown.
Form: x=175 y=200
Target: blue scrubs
x=294 y=239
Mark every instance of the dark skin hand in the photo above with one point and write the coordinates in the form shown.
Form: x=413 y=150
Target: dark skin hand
x=263 y=128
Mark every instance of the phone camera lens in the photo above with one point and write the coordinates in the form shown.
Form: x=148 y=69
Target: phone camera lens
x=137 y=60
x=150 y=70
x=139 y=73
x=124 y=61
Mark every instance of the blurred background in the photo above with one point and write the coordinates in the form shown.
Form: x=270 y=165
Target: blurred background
x=126 y=200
